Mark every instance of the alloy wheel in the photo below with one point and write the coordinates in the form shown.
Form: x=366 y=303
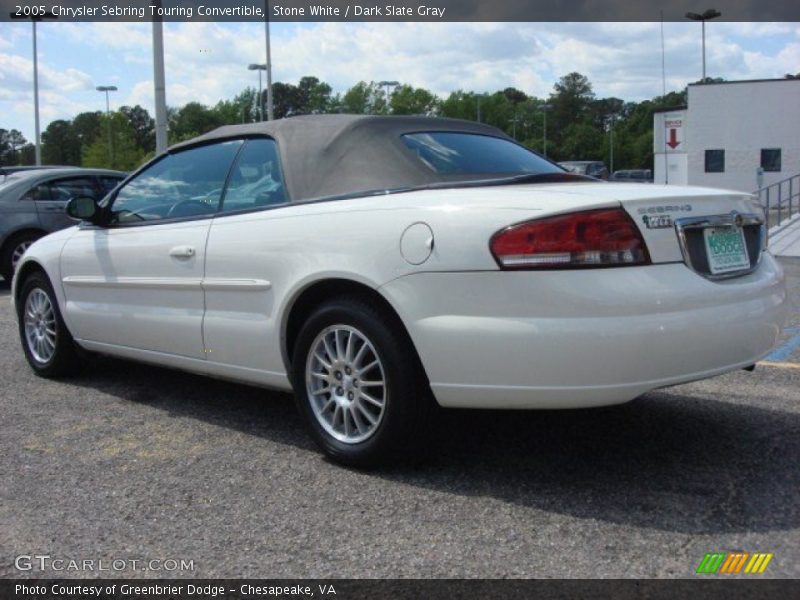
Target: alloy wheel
x=346 y=384
x=40 y=326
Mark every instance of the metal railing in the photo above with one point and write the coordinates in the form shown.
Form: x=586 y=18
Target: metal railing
x=780 y=201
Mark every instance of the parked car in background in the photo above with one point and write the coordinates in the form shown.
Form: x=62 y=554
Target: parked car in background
x=592 y=168
x=632 y=176
x=377 y=265
x=32 y=203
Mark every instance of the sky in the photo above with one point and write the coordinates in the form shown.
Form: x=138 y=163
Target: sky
x=207 y=62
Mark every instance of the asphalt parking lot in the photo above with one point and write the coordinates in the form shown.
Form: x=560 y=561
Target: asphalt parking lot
x=136 y=462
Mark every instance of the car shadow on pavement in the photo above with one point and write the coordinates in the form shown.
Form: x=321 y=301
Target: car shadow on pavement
x=669 y=460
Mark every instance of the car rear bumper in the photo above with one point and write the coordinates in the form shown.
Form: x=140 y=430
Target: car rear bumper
x=569 y=339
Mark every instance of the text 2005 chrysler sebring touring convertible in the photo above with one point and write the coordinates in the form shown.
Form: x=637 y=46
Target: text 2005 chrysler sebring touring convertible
x=377 y=265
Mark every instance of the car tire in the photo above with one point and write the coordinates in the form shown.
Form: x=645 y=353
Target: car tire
x=47 y=343
x=12 y=251
x=359 y=385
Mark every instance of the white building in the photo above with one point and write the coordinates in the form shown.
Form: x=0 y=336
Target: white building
x=728 y=132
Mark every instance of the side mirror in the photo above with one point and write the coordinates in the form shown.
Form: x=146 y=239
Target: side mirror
x=83 y=208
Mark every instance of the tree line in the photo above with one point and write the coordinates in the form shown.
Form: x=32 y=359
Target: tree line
x=578 y=123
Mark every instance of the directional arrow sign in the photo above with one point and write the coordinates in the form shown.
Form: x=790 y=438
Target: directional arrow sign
x=673 y=139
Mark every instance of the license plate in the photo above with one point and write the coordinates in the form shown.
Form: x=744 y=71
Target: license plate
x=726 y=249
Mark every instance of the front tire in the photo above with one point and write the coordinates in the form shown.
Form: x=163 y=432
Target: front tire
x=48 y=345
x=359 y=385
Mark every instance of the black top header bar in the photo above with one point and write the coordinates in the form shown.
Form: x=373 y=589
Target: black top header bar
x=398 y=10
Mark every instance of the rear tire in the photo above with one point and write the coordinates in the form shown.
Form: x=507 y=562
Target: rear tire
x=360 y=386
x=48 y=345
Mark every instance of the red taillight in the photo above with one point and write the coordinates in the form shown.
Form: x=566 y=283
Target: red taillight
x=592 y=238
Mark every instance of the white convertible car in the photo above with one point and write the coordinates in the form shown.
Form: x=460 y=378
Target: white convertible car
x=380 y=265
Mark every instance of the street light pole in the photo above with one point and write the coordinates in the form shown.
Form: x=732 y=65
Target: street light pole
x=159 y=83
x=704 y=49
x=387 y=85
x=36 y=97
x=37 y=128
x=709 y=14
x=259 y=68
x=260 y=99
x=270 y=112
x=106 y=89
x=611 y=118
x=545 y=109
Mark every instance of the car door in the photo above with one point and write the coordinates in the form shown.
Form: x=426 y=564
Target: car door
x=244 y=263
x=136 y=282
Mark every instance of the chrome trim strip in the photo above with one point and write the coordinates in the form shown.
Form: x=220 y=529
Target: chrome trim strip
x=733 y=219
x=245 y=285
x=132 y=282
x=176 y=283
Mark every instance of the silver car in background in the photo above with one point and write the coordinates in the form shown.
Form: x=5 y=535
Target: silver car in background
x=32 y=204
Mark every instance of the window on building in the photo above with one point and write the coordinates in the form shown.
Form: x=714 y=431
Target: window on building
x=771 y=159
x=715 y=161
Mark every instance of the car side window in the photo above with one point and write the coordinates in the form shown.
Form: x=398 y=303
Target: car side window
x=65 y=189
x=256 y=180
x=185 y=184
x=38 y=192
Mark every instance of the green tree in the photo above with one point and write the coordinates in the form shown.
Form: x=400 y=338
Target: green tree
x=408 y=100
x=144 y=126
x=514 y=95
x=124 y=154
x=363 y=99
x=581 y=141
x=461 y=105
x=27 y=154
x=242 y=108
x=60 y=144
x=571 y=98
x=15 y=141
x=314 y=96
x=286 y=100
x=191 y=120
x=86 y=126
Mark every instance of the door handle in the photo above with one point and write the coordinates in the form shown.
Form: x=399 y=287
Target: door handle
x=182 y=252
